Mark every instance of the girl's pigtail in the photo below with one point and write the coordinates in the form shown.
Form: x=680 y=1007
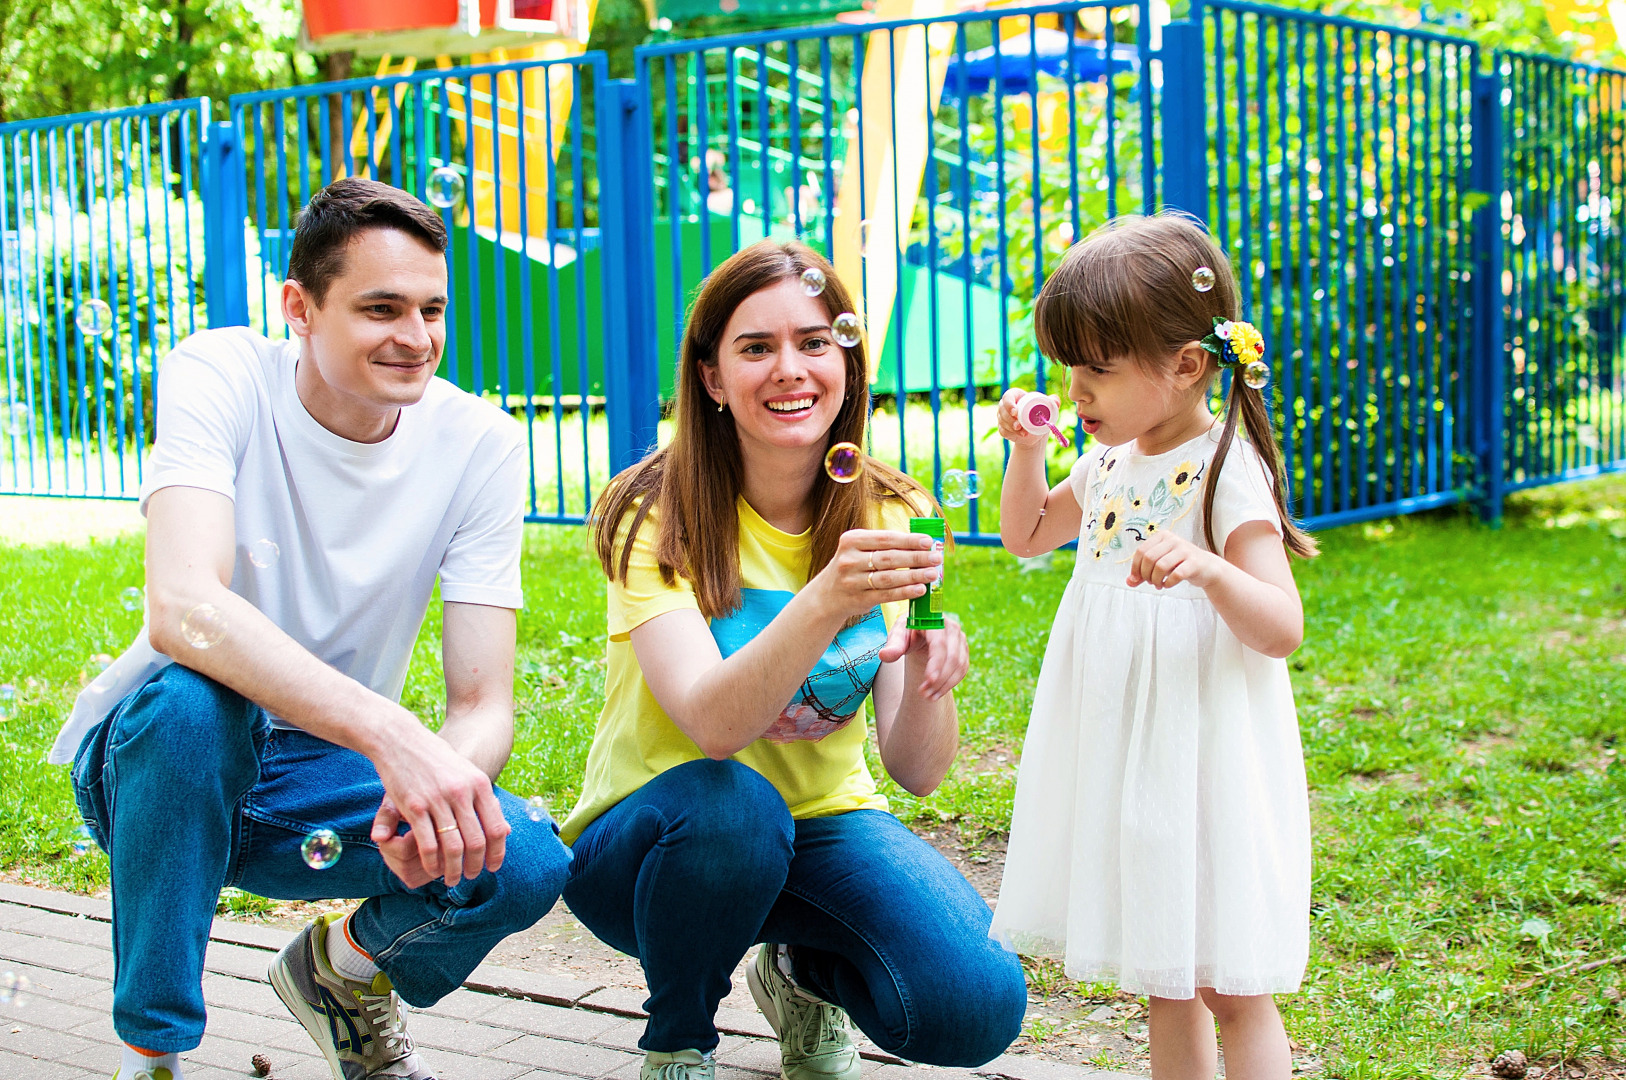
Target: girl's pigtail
x=1248 y=405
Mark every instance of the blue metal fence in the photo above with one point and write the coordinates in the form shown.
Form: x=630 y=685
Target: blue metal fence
x=509 y=153
x=944 y=166
x=1563 y=270
x=1340 y=182
x=101 y=251
x=1429 y=235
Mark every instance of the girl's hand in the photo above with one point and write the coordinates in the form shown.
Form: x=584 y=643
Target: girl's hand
x=937 y=659
x=873 y=566
x=1010 y=428
x=1168 y=559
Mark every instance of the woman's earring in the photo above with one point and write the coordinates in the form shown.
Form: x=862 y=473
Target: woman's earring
x=721 y=405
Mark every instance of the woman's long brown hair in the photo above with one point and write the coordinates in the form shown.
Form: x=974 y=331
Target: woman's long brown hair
x=696 y=478
x=1127 y=291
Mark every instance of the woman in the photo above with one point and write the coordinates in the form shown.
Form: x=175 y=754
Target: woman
x=715 y=815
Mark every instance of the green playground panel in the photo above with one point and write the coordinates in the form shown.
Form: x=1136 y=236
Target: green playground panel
x=511 y=311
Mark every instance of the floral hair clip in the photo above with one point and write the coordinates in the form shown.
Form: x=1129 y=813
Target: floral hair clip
x=1239 y=345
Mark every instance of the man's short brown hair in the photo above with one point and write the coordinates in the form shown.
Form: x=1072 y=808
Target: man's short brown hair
x=342 y=210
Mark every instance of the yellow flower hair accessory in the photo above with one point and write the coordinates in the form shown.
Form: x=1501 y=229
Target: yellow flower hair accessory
x=1239 y=345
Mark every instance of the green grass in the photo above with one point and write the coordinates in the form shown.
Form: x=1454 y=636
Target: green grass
x=1461 y=692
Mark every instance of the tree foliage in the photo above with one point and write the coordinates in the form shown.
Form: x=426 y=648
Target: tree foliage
x=63 y=56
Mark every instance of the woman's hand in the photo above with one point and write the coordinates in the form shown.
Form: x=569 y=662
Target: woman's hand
x=873 y=566
x=1010 y=428
x=1168 y=559
x=937 y=659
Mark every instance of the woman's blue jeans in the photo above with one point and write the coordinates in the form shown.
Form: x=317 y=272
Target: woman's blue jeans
x=188 y=788
x=702 y=862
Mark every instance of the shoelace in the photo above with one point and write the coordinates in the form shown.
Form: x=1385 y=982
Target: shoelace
x=675 y=1070
x=388 y=1023
x=819 y=1023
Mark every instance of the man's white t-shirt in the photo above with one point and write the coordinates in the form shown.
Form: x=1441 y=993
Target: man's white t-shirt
x=361 y=529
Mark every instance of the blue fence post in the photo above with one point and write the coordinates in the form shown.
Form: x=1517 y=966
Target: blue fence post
x=1489 y=411
x=632 y=404
x=1184 y=105
x=225 y=210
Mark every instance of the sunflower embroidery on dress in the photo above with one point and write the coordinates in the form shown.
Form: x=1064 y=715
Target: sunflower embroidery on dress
x=1122 y=516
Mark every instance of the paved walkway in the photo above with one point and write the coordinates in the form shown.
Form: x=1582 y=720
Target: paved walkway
x=503 y=1025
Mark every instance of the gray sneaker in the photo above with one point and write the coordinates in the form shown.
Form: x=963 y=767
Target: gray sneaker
x=680 y=1065
x=815 y=1039
x=360 y=1027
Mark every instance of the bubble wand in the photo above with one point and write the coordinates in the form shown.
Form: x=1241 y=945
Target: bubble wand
x=1037 y=414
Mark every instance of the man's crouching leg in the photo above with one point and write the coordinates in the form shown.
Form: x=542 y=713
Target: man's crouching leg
x=430 y=939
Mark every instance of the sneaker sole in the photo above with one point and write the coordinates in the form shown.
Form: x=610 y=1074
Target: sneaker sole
x=314 y=1026
x=764 y=1000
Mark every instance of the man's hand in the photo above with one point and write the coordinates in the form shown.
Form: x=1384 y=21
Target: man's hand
x=457 y=825
x=400 y=850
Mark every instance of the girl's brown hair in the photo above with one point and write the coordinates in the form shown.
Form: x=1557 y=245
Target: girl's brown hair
x=695 y=479
x=1126 y=291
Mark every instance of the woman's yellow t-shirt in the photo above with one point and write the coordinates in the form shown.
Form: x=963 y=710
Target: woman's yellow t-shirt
x=813 y=754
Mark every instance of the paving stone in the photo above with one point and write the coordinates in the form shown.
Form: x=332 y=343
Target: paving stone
x=557 y=1055
x=57 y=955
x=245 y=995
x=235 y=960
x=459 y=1035
x=260 y=1030
x=577 y=1025
x=464 y=1005
x=543 y=1074
x=100 y=1029
x=23 y=1038
x=617 y=1000
x=46 y=1013
x=454 y=1066
x=49 y=900
x=22 y=1067
x=535 y=985
x=757 y=1054
x=233 y=1054
x=62 y=985
x=81 y=931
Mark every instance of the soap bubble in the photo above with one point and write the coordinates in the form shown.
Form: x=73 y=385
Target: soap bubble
x=82 y=840
x=1587 y=435
x=1256 y=374
x=812 y=281
x=865 y=229
x=22 y=418
x=14 y=987
x=847 y=329
x=960 y=486
x=8 y=702
x=132 y=599
x=94 y=318
x=97 y=664
x=536 y=808
x=844 y=462
x=1202 y=278
x=445 y=187
x=263 y=553
x=204 y=626
x=321 y=849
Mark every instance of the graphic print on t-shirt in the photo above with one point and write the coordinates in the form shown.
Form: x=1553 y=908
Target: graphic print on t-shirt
x=834 y=690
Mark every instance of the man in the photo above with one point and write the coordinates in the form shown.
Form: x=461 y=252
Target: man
x=301 y=500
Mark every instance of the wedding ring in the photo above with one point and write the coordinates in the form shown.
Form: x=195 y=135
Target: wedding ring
x=869 y=578
x=872 y=562
x=447 y=828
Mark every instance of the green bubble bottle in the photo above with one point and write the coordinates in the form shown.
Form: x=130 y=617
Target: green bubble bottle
x=926 y=612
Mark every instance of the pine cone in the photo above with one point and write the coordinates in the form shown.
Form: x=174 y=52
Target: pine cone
x=1510 y=1065
x=262 y=1065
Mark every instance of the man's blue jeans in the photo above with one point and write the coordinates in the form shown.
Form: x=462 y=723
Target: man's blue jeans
x=702 y=862
x=188 y=788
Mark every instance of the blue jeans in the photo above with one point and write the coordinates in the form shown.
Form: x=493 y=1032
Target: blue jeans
x=702 y=862
x=188 y=788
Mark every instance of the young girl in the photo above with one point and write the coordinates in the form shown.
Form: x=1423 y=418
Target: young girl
x=1161 y=829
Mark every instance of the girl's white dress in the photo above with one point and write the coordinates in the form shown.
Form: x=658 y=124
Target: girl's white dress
x=1161 y=835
